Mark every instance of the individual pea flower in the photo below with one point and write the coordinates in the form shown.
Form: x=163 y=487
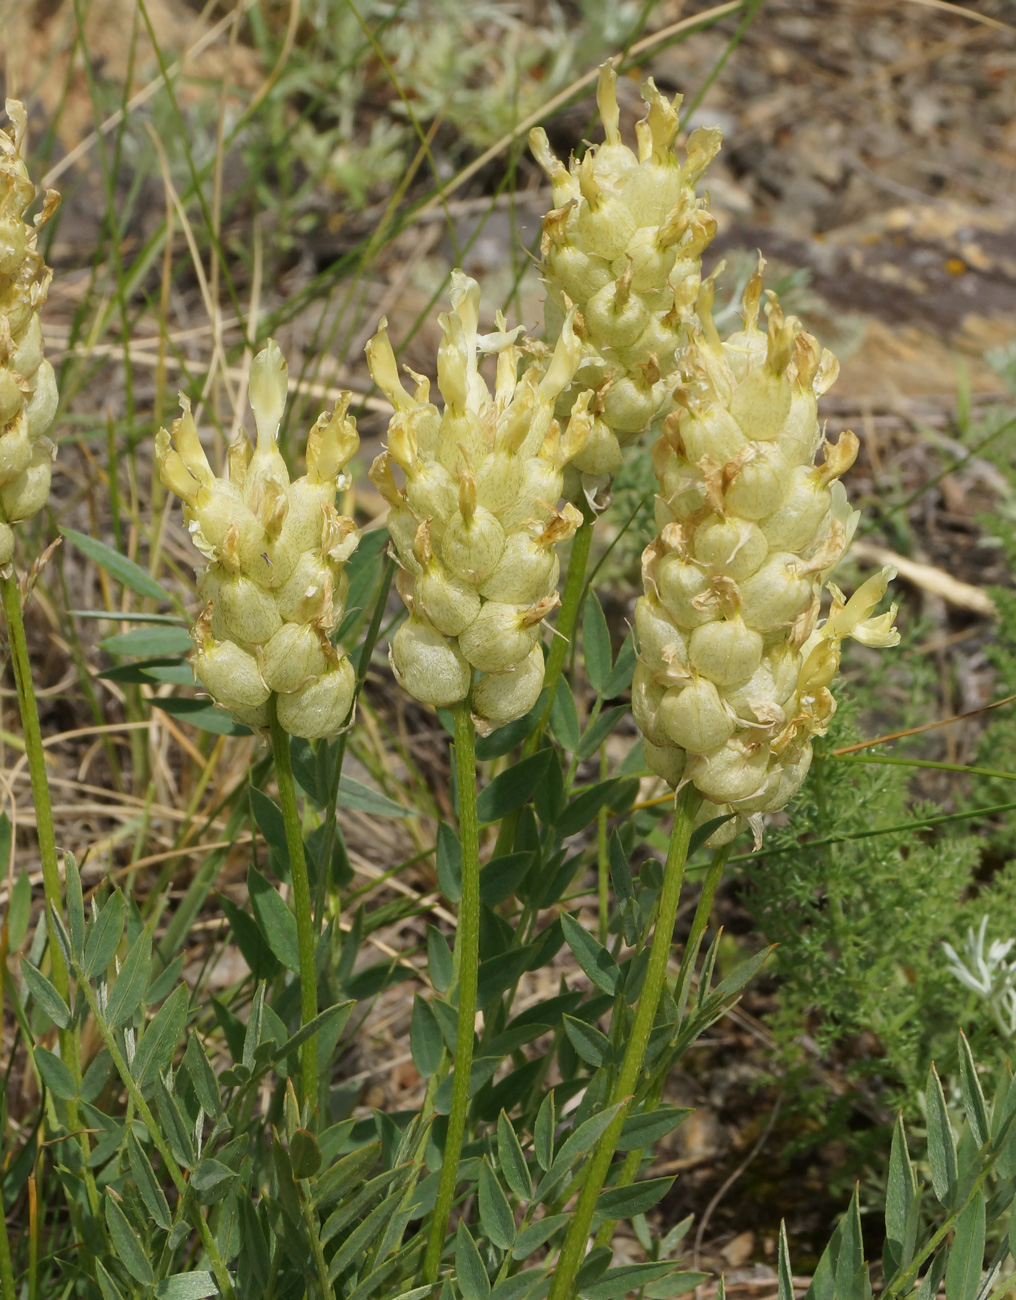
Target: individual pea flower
x=734 y=666
x=28 y=396
x=274 y=585
x=474 y=522
x=624 y=245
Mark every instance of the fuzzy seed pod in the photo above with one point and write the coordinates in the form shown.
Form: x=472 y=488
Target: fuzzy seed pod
x=735 y=668
x=274 y=586
x=624 y=245
x=474 y=525
x=28 y=396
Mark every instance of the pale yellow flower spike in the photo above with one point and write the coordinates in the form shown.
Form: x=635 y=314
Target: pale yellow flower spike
x=274 y=586
x=28 y=395
x=734 y=668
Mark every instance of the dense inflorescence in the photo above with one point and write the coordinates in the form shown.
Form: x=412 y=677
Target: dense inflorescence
x=274 y=587
x=28 y=396
x=734 y=668
x=623 y=245
x=474 y=524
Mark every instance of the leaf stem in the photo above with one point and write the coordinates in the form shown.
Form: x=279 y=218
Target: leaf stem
x=469 y=936
x=573 y=1249
x=301 y=902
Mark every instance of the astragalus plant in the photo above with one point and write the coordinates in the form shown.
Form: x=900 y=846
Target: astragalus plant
x=185 y=1145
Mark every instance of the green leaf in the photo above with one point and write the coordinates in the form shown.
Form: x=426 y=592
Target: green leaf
x=675 y=1284
x=645 y=1128
x=210 y=1179
x=511 y=1160
x=973 y=1098
x=275 y=921
x=543 y=1133
x=19 y=907
x=75 y=908
x=784 y=1273
x=623 y=670
x=931 y=1283
x=534 y=1235
x=200 y=714
x=511 y=789
x=449 y=863
x=564 y=717
x=501 y=877
x=118 y=566
x=595 y=960
x=334 y=1018
x=149 y=642
x=635 y=1198
x=55 y=1075
x=109 y=1289
x=471 y=1275
x=506 y=738
x=618 y=1282
x=186 y=1286
x=496 y=1218
x=146 y=1183
x=255 y=951
x=129 y=989
x=901 y=1189
x=202 y=1077
x=129 y=1250
x=440 y=963
x=592 y=1046
x=45 y=994
x=597 y=732
x=104 y=935
x=159 y=1040
x=941 y=1144
x=596 y=645
x=304 y=1153
x=966 y=1258
x=352 y=794
x=425 y=1039
x=268 y=816
x=355 y=1245
x=582 y=809
x=575 y=1146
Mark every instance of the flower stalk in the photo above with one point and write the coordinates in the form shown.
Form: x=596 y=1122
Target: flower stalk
x=574 y=1247
x=301 y=900
x=468 y=934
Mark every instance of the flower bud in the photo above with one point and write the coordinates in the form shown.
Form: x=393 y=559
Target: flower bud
x=429 y=666
x=321 y=707
x=230 y=675
x=293 y=656
x=501 y=697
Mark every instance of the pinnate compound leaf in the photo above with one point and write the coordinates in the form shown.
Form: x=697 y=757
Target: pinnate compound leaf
x=635 y=1198
x=274 y=919
x=472 y=1276
x=129 y=1250
x=118 y=566
x=941 y=1144
x=496 y=1218
x=45 y=994
x=595 y=960
x=512 y=1161
x=966 y=1256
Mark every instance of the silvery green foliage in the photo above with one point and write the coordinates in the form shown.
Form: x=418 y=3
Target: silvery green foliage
x=987 y=973
x=28 y=396
x=274 y=587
